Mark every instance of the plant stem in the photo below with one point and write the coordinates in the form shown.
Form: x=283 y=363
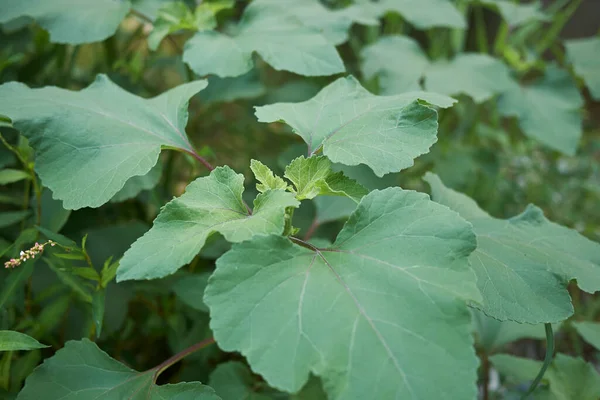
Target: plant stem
x=311 y=229
x=501 y=36
x=480 y=33
x=200 y=158
x=485 y=369
x=162 y=367
x=560 y=21
x=547 y=360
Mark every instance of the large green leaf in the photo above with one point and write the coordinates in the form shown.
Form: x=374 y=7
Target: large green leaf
x=590 y=331
x=81 y=371
x=524 y=264
x=367 y=314
x=89 y=143
x=69 y=21
x=548 y=110
x=516 y=13
x=423 y=14
x=11 y=341
x=283 y=41
x=210 y=204
x=353 y=126
x=583 y=53
x=477 y=75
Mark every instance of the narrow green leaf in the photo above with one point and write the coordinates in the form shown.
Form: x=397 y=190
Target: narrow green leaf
x=98 y=310
x=11 y=341
x=523 y=264
x=58 y=238
x=81 y=371
x=590 y=331
x=99 y=138
x=78 y=286
x=12 y=217
x=12 y=175
x=268 y=181
x=210 y=204
x=15 y=280
x=548 y=110
x=391 y=292
x=83 y=21
x=477 y=75
x=353 y=126
x=583 y=54
x=283 y=41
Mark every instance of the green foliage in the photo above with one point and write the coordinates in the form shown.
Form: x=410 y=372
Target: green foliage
x=282 y=247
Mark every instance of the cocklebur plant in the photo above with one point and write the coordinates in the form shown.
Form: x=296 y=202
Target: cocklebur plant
x=326 y=272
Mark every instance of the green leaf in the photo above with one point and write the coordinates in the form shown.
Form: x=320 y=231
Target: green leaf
x=81 y=371
x=590 y=331
x=281 y=40
x=247 y=86
x=424 y=15
x=523 y=264
x=333 y=208
x=516 y=14
x=583 y=55
x=99 y=137
x=16 y=279
x=313 y=176
x=190 y=290
x=12 y=217
x=54 y=216
x=569 y=378
x=390 y=292
x=477 y=75
x=98 y=310
x=11 y=341
x=492 y=334
x=210 y=204
x=268 y=181
x=353 y=126
x=83 y=21
x=137 y=184
x=547 y=110
x=12 y=175
x=175 y=16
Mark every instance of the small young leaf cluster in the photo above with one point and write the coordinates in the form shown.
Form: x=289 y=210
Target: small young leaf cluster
x=309 y=264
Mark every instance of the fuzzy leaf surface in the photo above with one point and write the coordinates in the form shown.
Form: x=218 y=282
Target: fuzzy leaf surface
x=69 y=21
x=81 y=371
x=476 y=75
x=583 y=53
x=390 y=292
x=353 y=126
x=210 y=204
x=89 y=143
x=523 y=264
x=548 y=110
x=283 y=42
x=264 y=175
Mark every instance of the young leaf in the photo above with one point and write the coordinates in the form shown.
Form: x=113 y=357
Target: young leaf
x=268 y=181
x=11 y=341
x=313 y=176
x=82 y=21
x=353 y=126
x=89 y=143
x=210 y=204
x=423 y=14
x=477 y=75
x=516 y=14
x=281 y=40
x=81 y=371
x=523 y=264
x=583 y=53
x=590 y=331
x=547 y=110
x=390 y=292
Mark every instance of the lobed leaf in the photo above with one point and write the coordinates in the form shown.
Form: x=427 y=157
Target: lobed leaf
x=81 y=371
x=210 y=204
x=283 y=41
x=90 y=143
x=524 y=264
x=353 y=126
x=477 y=75
x=367 y=314
x=68 y=21
x=548 y=110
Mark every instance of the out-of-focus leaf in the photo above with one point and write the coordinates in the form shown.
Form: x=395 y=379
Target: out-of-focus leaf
x=11 y=341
